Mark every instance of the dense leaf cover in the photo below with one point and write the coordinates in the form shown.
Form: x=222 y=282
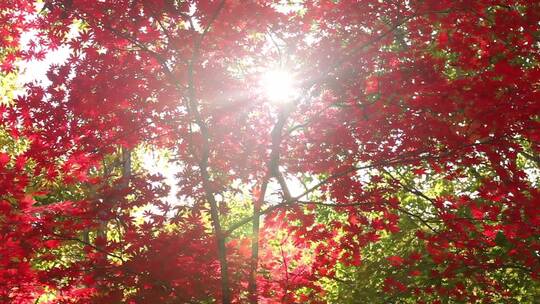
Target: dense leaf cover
x=404 y=170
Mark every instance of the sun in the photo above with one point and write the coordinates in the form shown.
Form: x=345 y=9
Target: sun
x=279 y=85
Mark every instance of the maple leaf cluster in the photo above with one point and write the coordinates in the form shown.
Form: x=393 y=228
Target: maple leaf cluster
x=405 y=169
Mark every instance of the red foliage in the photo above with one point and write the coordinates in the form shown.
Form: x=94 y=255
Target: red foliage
x=437 y=86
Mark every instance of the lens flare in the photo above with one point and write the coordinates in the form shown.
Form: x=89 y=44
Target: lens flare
x=279 y=86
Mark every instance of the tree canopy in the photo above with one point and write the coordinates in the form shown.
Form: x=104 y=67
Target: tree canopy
x=232 y=151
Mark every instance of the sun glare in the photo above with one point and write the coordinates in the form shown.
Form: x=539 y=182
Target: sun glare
x=279 y=85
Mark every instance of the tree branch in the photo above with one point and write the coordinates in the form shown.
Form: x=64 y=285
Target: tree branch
x=203 y=163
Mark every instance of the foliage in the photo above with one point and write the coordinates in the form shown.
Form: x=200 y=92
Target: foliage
x=403 y=168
